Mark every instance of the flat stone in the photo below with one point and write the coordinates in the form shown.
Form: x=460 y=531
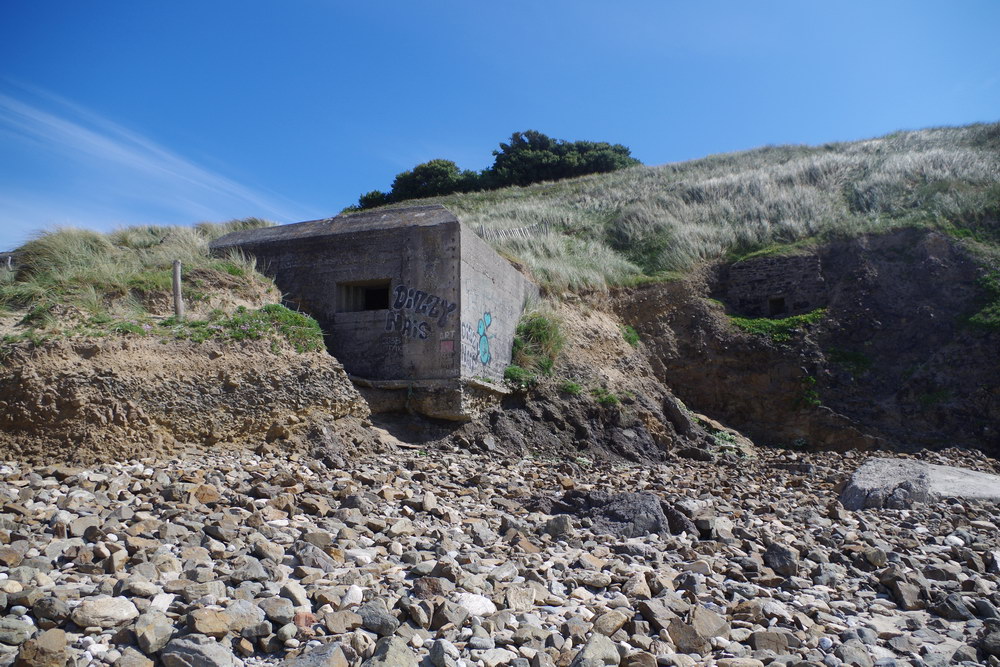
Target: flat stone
x=477 y=605
x=132 y=658
x=152 y=631
x=14 y=632
x=599 y=651
x=328 y=655
x=278 y=609
x=341 y=622
x=392 y=652
x=106 y=612
x=376 y=618
x=198 y=651
x=900 y=483
x=610 y=622
x=46 y=650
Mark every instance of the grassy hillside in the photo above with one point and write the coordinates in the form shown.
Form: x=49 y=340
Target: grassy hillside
x=75 y=281
x=591 y=232
x=616 y=228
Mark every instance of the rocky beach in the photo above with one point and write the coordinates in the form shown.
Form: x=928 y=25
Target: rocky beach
x=444 y=557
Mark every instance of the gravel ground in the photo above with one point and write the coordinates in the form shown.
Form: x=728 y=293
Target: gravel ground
x=448 y=558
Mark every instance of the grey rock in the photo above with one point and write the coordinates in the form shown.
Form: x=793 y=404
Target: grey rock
x=376 y=618
x=782 y=558
x=312 y=556
x=198 y=651
x=278 y=609
x=599 y=651
x=51 y=608
x=444 y=654
x=953 y=608
x=854 y=652
x=621 y=514
x=14 y=632
x=392 y=652
x=327 y=655
x=104 y=612
x=558 y=526
x=900 y=483
x=152 y=631
x=249 y=569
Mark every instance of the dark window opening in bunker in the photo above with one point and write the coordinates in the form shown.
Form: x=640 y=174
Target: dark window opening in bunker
x=363 y=295
x=775 y=306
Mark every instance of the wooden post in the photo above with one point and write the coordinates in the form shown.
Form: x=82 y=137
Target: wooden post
x=178 y=302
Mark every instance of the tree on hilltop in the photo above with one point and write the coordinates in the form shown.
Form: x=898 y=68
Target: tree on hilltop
x=529 y=157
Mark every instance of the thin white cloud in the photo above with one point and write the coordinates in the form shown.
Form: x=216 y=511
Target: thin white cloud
x=111 y=160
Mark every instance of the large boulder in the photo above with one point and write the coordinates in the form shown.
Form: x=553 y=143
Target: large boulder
x=899 y=483
x=624 y=514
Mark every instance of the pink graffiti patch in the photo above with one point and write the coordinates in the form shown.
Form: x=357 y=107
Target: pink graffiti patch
x=448 y=346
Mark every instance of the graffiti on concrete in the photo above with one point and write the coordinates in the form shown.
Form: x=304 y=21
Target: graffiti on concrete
x=393 y=345
x=476 y=342
x=407 y=326
x=484 y=342
x=409 y=304
x=423 y=303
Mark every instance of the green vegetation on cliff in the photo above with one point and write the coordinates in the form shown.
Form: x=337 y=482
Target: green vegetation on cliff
x=779 y=330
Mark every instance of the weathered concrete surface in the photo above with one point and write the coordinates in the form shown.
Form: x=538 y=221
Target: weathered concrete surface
x=899 y=483
x=774 y=286
x=414 y=252
x=492 y=297
x=404 y=296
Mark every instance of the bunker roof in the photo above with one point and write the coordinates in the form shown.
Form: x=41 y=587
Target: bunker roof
x=412 y=216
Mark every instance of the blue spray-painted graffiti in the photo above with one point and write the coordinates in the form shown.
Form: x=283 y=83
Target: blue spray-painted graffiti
x=484 y=342
x=476 y=343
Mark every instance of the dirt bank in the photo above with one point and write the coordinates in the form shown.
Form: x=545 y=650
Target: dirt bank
x=124 y=397
x=893 y=359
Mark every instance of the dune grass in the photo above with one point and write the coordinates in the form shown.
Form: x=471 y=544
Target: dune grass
x=611 y=229
x=116 y=274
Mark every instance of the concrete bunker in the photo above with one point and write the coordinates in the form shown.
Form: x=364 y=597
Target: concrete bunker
x=773 y=286
x=419 y=310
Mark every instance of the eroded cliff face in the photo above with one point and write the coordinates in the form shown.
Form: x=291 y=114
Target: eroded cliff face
x=118 y=398
x=607 y=403
x=892 y=361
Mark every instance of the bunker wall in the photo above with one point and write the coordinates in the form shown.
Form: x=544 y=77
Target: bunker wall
x=775 y=286
x=388 y=299
x=493 y=298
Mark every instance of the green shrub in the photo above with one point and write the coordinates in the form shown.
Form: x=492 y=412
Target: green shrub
x=538 y=340
x=778 y=330
x=604 y=397
x=810 y=395
x=988 y=316
x=570 y=387
x=299 y=330
x=99 y=272
x=630 y=335
x=129 y=328
x=931 y=398
x=519 y=377
x=724 y=438
x=528 y=157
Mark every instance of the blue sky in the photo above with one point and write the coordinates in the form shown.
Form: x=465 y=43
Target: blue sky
x=121 y=112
